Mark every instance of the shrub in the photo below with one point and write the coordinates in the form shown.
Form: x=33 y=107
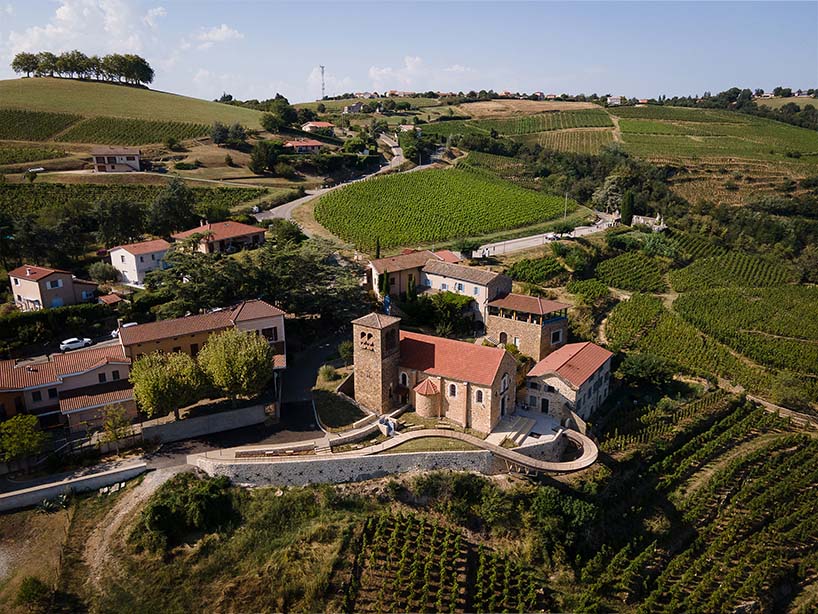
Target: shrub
x=33 y=593
x=328 y=373
x=102 y=272
x=346 y=350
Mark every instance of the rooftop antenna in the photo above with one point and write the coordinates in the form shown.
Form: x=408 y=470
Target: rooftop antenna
x=322 y=82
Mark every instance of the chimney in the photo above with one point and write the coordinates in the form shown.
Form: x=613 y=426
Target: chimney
x=28 y=271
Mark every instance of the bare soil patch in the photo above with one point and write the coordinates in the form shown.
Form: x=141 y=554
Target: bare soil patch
x=506 y=108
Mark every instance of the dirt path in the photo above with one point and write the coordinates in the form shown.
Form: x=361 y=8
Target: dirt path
x=617 y=132
x=98 y=554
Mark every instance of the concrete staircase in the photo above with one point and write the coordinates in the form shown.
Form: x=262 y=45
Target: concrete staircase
x=515 y=428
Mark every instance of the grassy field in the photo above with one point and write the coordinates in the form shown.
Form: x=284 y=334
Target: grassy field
x=431 y=444
x=431 y=205
x=91 y=99
x=777 y=103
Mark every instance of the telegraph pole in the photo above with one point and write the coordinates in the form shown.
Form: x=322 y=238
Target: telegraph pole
x=322 y=82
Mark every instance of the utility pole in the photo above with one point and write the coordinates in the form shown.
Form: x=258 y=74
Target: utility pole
x=322 y=82
x=565 y=212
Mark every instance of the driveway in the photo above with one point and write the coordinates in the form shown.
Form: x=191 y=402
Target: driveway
x=523 y=243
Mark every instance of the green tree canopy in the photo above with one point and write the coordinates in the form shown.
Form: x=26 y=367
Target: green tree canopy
x=237 y=363
x=162 y=383
x=21 y=437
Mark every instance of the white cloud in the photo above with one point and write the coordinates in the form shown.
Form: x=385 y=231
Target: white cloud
x=219 y=34
x=95 y=26
x=415 y=74
x=458 y=68
x=152 y=16
x=404 y=76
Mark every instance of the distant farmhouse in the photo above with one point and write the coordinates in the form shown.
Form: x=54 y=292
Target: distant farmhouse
x=39 y=287
x=355 y=107
x=223 y=237
x=135 y=260
x=316 y=126
x=116 y=159
x=304 y=146
x=615 y=101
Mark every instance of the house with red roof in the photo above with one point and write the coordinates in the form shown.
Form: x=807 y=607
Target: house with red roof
x=304 y=146
x=38 y=287
x=135 y=260
x=68 y=389
x=573 y=379
x=316 y=126
x=226 y=236
x=469 y=384
x=536 y=326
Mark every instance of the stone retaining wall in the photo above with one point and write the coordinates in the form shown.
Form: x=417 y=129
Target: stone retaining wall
x=36 y=494
x=204 y=425
x=297 y=472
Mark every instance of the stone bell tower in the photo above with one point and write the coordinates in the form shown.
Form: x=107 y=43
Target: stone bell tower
x=376 y=338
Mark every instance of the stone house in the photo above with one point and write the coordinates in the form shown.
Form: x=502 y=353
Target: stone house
x=116 y=159
x=68 y=389
x=224 y=237
x=575 y=379
x=472 y=385
x=480 y=284
x=404 y=270
x=535 y=325
x=39 y=287
x=135 y=260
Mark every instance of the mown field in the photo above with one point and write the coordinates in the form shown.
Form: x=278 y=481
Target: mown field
x=431 y=205
x=90 y=99
x=20 y=199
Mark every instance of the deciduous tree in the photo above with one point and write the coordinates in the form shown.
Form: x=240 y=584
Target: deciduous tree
x=162 y=383
x=237 y=363
x=21 y=437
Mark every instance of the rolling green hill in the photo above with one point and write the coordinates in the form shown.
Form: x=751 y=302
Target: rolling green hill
x=92 y=99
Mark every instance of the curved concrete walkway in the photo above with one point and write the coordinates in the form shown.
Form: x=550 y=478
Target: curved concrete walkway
x=516 y=461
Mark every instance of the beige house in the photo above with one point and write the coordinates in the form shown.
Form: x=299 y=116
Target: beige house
x=68 y=389
x=116 y=159
x=38 y=287
x=480 y=284
x=472 y=385
x=135 y=260
x=224 y=237
x=535 y=325
x=573 y=379
x=315 y=126
x=404 y=270
x=304 y=146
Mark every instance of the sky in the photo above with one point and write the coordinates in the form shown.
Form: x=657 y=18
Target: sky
x=255 y=49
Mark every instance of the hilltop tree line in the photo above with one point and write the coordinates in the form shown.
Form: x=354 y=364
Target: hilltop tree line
x=116 y=67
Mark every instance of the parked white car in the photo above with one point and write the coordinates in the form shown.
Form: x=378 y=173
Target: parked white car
x=74 y=343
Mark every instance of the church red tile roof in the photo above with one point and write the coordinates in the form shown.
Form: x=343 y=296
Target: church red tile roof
x=427 y=388
x=575 y=362
x=452 y=359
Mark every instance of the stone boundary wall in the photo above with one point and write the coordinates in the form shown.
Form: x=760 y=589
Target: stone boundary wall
x=329 y=470
x=36 y=494
x=204 y=425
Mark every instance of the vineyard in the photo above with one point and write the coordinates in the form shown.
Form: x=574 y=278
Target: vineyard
x=773 y=326
x=732 y=269
x=431 y=205
x=119 y=131
x=457 y=126
x=19 y=199
x=542 y=122
x=645 y=126
x=536 y=271
x=17 y=125
x=18 y=155
x=575 y=141
x=695 y=246
x=709 y=515
x=404 y=562
x=632 y=271
x=683 y=114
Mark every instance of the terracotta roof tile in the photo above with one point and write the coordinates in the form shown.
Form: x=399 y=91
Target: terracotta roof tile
x=254 y=310
x=575 y=362
x=458 y=271
x=110 y=299
x=95 y=396
x=34 y=273
x=26 y=374
x=376 y=320
x=448 y=358
x=84 y=360
x=221 y=231
x=115 y=151
x=320 y=124
x=303 y=143
x=427 y=387
x=164 y=329
x=145 y=247
x=408 y=260
x=448 y=256
x=528 y=304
